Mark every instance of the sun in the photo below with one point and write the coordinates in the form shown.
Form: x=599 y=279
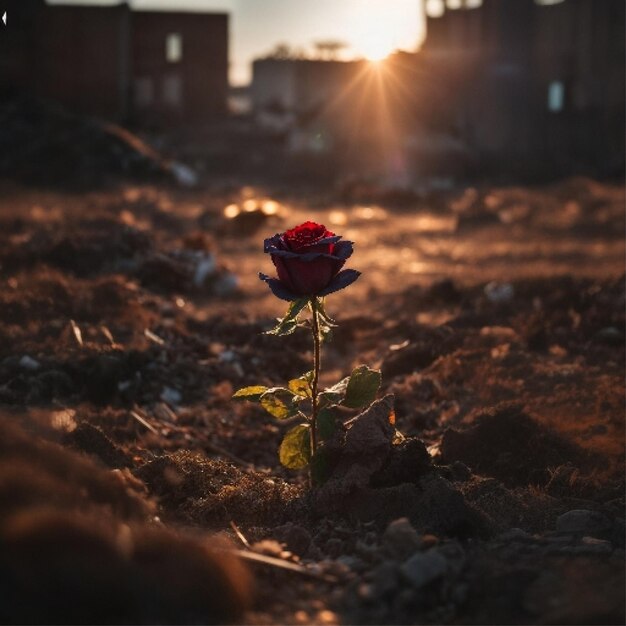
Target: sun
x=377 y=48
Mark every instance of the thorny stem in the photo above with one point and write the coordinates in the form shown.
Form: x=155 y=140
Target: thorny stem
x=316 y=372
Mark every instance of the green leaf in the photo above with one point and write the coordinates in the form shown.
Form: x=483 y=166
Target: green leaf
x=362 y=387
x=277 y=401
x=295 y=449
x=334 y=394
x=326 y=423
x=289 y=323
x=253 y=394
x=302 y=386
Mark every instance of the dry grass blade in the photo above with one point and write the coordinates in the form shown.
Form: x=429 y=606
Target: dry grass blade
x=239 y=534
x=154 y=338
x=78 y=335
x=143 y=422
x=281 y=564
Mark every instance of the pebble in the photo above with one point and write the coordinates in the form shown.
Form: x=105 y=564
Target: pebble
x=28 y=363
x=385 y=578
x=400 y=539
x=353 y=562
x=424 y=567
x=499 y=293
x=582 y=521
x=610 y=335
x=514 y=534
x=171 y=396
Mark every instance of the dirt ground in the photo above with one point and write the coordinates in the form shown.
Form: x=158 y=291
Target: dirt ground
x=128 y=477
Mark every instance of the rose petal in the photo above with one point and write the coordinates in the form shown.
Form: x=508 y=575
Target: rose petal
x=273 y=243
x=341 y=281
x=279 y=289
x=343 y=250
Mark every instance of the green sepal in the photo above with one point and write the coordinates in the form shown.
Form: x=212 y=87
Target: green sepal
x=295 y=449
x=252 y=394
x=362 y=387
x=288 y=324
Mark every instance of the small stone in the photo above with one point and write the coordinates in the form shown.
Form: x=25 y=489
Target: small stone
x=583 y=521
x=171 y=396
x=334 y=547
x=499 y=293
x=28 y=363
x=610 y=335
x=400 y=539
x=429 y=541
x=353 y=562
x=460 y=472
x=424 y=567
x=385 y=578
x=514 y=535
x=296 y=538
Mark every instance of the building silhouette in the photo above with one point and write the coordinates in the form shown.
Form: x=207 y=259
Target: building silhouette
x=157 y=68
x=531 y=88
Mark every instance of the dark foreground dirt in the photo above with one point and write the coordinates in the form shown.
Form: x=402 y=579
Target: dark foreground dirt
x=129 y=316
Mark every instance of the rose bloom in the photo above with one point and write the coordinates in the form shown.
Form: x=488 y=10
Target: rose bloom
x=308 y=260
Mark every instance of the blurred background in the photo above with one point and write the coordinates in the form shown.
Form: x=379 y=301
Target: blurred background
x=405 y=93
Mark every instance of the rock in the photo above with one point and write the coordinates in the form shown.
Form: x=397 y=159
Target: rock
x=356 y=453
x=400 y=539
x=610 y=336
x=499 y=293
x=407 y=462
x=424 y=567
x=296 y=538
x=583 y=521
x=29 y=364
x=385 y=579
x=514 y=535
x=353 y=562
x=590 y=546
x=171 y=396
x=334 y=547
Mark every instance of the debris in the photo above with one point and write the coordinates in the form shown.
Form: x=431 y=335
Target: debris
x=153 y=337
x=424 y=567
x=584 y=522
x=499 y=293
x=171 y=396
x=30 y=364
x=143 y=422
x=400 y=539
x=78 y=335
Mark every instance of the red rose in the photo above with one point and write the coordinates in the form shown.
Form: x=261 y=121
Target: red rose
x=308 y=259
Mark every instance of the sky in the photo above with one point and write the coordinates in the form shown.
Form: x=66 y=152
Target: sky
x=371 y=28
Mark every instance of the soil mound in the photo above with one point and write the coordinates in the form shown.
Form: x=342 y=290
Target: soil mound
x=80 y=544
x=43 y=143
x=507 y=444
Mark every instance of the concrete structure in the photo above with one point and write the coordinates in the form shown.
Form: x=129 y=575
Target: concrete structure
x=531 y=88
x=160 y=68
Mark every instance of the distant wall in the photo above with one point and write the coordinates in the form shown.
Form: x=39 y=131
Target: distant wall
x=119 y=64
x=191 y=89
x=531 y=88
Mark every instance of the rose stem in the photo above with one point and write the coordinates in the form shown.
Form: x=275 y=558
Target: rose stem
x=316 y=372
